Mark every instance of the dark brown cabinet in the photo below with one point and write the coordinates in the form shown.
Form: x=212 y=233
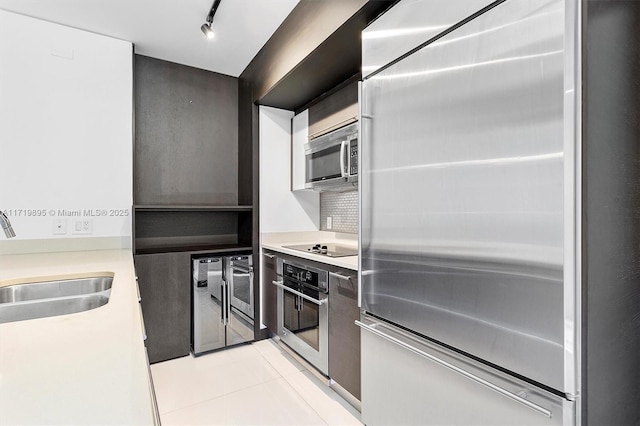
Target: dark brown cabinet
x=344 y=335
x=187 y=165
x=270 y=291
x=166 y=304
x=186 y=139
x=186 y=161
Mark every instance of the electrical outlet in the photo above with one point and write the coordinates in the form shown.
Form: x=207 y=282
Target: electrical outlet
x=82 y=226
x=329 y=222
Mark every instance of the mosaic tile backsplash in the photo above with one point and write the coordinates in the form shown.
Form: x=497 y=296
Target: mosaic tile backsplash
x=342 y=207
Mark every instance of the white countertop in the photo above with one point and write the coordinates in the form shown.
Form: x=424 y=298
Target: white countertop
x=278 y=241
x=83 y=368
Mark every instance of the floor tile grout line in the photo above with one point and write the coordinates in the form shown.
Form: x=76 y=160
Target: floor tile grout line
x=309 y=403
x=278 y=376
x=220 y=396
x=288 y=377
x=326 y=421
x=275 y=368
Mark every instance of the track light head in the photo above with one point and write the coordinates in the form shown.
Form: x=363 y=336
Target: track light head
x=206 y=27
x=207 y=30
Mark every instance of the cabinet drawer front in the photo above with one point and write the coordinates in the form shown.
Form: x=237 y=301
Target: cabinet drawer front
x=402 y=386
x=344 y=335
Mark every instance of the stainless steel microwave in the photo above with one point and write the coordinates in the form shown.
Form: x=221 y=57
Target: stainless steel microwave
x=331 y=160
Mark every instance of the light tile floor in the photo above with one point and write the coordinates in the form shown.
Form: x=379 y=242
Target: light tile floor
x=256 y=384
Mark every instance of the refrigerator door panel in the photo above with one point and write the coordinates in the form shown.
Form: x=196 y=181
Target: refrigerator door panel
x=239 y=273
x=462 y=190
x=407 y=25
x=452 y=389
x=208 y=326
x=241 y=288
x=239 y=328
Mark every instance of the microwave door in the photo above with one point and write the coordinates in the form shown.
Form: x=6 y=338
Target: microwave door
x=324 y=163
x=329 y=160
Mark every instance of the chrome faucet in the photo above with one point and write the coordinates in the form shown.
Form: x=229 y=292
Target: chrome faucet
x=6 y=225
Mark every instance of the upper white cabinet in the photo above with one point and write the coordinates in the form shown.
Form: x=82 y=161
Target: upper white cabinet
x=300 y=136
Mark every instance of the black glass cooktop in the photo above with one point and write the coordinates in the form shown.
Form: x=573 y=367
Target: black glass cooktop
x=326 y=249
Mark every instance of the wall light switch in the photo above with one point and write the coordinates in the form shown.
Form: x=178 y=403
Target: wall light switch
x=329 y=222
x=59 y=226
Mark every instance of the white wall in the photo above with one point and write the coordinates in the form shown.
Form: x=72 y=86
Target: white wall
x=280 y=209
x=299 y=138
x=65 y=130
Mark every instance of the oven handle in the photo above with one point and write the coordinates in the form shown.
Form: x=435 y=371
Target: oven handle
x=297 y=293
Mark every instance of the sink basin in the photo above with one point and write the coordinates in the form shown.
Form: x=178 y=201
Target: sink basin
x=51 y=289
x=20 y=302
x=42 y=308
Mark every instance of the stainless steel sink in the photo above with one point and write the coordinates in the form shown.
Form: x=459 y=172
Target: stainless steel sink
x=51 y=289
x=20 y=302
x=42 y=308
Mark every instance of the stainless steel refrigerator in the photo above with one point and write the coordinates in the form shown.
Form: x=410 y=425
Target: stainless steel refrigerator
x=222 y=302
x=467 y=192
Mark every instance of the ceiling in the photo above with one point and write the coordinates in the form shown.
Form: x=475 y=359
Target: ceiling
x=170 y=29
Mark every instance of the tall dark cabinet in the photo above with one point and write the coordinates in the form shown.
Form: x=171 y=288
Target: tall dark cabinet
x=186 y=174
x=164 y=281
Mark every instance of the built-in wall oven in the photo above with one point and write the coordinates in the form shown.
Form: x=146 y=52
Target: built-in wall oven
x=303 y=305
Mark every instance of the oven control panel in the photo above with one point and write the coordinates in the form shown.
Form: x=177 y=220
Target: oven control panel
x=306 y=275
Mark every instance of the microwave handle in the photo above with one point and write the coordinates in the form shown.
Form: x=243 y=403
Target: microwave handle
x=343 y=166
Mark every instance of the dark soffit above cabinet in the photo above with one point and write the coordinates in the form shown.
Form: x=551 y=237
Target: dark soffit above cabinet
x=337 y=59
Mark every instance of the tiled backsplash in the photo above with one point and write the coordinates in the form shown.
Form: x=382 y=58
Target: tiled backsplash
x=342 y=207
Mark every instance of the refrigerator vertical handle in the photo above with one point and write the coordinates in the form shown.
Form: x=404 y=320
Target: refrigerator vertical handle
x=228 y=297
x=251 y=287
x=223 y=307
x=362 y=114
x=503 y=392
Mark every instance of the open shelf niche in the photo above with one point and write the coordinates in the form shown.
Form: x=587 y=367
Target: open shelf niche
x=162 y=229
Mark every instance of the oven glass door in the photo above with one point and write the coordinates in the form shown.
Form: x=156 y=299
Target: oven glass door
x=300 y=316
